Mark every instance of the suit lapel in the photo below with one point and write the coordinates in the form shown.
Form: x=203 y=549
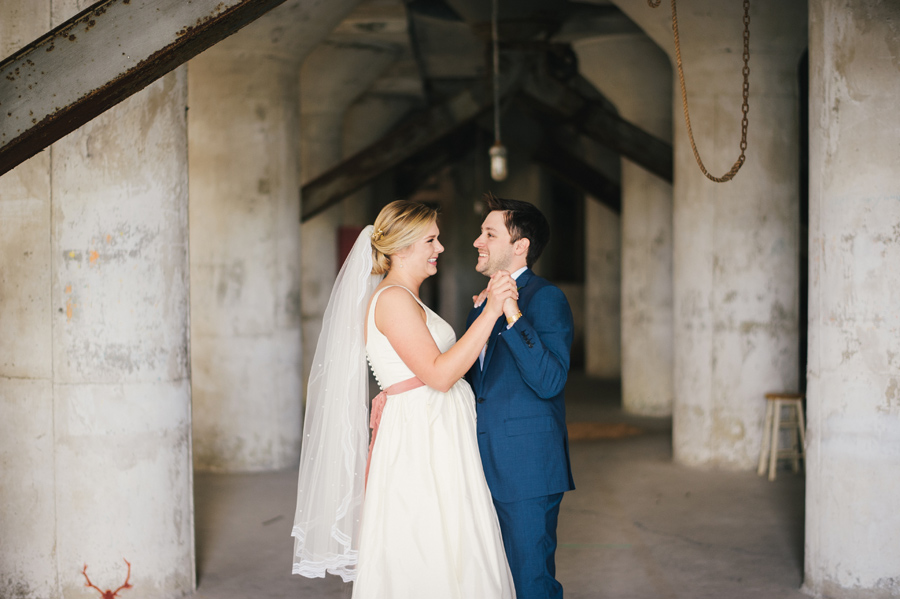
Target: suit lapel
x=492 y=342
x=521 y=282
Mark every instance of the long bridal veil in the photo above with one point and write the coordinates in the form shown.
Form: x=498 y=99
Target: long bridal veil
x=335 y=433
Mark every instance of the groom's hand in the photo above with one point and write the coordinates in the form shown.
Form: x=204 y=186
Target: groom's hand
x=479 y=299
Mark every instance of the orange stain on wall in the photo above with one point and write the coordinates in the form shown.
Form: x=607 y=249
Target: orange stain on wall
x=70 y=306
x=95 y=255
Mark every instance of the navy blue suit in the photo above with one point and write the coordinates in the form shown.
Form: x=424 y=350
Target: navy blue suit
x=522 y=429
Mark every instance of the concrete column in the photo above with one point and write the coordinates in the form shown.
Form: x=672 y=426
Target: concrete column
x=735 y=244
x=245 y=239
x=603 y=291
x=332 y=77
x=853 y=443
x=635 y=74
x=95 y=434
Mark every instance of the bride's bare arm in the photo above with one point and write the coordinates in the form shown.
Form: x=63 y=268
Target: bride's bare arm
x=400 y=318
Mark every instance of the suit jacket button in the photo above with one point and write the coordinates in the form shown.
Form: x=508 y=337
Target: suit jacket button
x=480 y=400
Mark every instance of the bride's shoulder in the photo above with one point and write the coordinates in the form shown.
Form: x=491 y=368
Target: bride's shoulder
x=395 y=301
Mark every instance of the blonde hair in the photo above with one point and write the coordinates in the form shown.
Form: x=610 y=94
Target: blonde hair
x=399 y=225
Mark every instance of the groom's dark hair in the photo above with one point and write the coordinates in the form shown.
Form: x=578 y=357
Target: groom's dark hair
x=523 y=221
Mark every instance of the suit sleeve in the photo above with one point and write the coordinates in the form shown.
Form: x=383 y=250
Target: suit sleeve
x=540 y=342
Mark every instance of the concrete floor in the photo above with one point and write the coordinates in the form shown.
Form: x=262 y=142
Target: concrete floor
x=638 y=526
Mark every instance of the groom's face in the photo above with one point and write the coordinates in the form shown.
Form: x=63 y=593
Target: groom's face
x=495 y=251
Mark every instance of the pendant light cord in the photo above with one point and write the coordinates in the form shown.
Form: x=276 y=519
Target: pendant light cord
x=494 y=37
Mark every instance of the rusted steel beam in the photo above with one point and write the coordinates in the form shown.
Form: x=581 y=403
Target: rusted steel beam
x=100 y=57
x=416 y=134
x=565 y=103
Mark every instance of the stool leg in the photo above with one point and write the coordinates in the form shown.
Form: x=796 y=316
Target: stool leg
x=796 y=438
x=802 y=429
x=776 y=425
x=795 y=444
x=767 y=434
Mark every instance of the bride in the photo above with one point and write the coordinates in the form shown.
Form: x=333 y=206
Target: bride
x=418 y=519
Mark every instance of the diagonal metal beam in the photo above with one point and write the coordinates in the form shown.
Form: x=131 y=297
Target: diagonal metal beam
x=416 y=134
x=578 y=173
x=590 y=117
x=412 y=173
x=100 y=57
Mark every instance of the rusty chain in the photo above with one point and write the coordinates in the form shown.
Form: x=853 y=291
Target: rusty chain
x=745 y=106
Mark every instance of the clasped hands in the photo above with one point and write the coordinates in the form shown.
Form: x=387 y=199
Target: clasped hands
x=501 y=294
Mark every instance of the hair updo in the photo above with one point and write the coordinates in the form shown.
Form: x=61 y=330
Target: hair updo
x=399 y=225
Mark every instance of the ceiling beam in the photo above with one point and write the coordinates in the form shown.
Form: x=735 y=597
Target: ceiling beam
x=418 y=133
x=100 y=57
x=564 y=103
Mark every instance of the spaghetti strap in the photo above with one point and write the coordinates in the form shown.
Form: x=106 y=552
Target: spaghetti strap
x=377 y=293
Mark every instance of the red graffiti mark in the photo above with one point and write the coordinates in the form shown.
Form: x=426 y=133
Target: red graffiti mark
x=107 y=594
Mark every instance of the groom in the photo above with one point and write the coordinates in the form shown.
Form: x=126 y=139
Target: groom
x=518 y=383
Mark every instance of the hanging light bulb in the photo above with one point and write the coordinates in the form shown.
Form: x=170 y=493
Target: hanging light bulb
x=498 y=161
x=497 y=151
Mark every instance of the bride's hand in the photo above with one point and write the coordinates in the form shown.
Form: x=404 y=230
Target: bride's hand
x=501 y=288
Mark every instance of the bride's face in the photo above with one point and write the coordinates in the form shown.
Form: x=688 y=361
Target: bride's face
x=421 y=257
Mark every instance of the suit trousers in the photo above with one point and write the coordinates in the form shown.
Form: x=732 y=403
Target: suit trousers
x=529 y=537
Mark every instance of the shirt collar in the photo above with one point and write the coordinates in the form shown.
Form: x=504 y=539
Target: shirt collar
x=516 y=274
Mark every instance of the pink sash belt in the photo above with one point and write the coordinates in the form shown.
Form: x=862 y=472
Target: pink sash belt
x=378 y=403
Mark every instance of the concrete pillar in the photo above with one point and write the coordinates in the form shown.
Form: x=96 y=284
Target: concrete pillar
x=853 y=443
x=635 y=75
x=735 y=244
x=95 y=436
x=332 y=77
x=603 y=291
x=245 y=239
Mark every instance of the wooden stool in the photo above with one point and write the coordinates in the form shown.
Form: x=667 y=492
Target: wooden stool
x=770 y=451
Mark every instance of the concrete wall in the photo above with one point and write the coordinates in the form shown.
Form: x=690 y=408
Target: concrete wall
x=853 y=460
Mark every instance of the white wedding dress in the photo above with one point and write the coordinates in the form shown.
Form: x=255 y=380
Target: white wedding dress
x=429 y=528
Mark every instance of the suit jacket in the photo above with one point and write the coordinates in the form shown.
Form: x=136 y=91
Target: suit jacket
x=519 y=396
